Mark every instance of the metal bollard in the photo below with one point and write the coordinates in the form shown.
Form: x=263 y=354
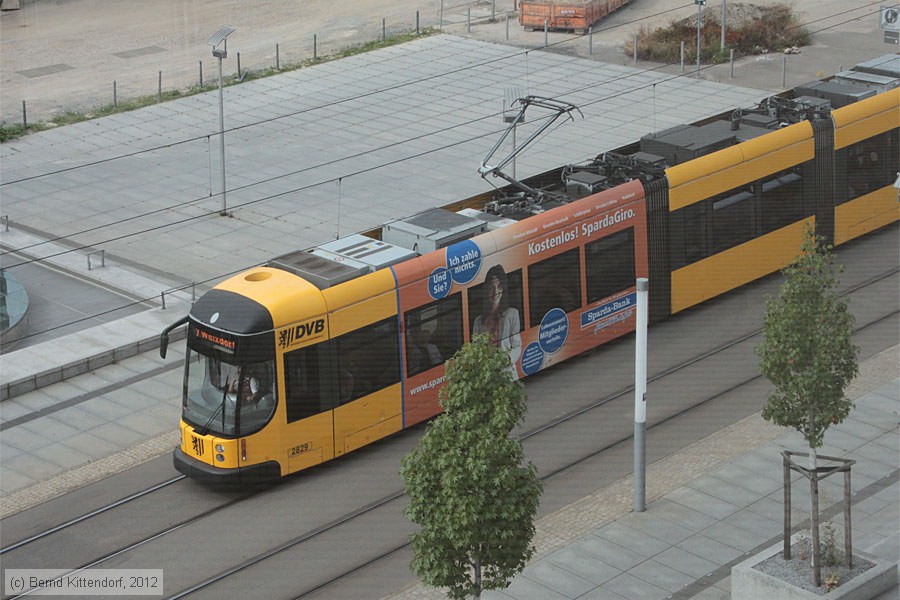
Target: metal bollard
x=591 y=41
x=417 y=22
x=277 y=58
x=635 y=46
x=239 y=65
x=783 y=70
x=115 y=96
x=315 y=57
x=383 y=31
x=546 y=24
x=507 y=26
x=468 y=19
x=682 y=56
x=201 y=73
x=5 y=222
x=493 y=10
x=731 y=60
x=159 y=88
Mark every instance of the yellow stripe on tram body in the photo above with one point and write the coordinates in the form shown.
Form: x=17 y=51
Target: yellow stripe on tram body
x=734 y=267
x=739 y=165
x=862 y=120
x=866 y=213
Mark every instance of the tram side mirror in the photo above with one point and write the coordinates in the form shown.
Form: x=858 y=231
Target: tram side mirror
x=164 y=336
x=163 y=344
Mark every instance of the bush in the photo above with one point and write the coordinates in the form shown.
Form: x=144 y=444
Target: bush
x=750 y=30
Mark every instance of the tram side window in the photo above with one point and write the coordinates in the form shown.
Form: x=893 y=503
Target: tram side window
x=302 y=383
x=554 y=283
x=871 y=164
x=368 y=359
x=782 y=199
x=732 y=219
x=688 y=241
x=609 y=265
x=434 y=333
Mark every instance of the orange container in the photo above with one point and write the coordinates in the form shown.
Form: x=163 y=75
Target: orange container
x=575 y=15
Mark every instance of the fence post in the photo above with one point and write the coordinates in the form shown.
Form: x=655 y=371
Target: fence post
x=383 y=31
x=239 y=64
x=201 y=73
x=115 y=96
x=24 y=116
x=277 y=58
x=417 y=22
x=159 y=88
x=493 y=10
x=591 y=40
x=315 y=56
x=783 y=70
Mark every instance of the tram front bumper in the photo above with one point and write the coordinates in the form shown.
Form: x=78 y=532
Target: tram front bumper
x=248 y=476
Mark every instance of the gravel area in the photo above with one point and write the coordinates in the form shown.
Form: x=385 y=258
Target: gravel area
x=800 y=572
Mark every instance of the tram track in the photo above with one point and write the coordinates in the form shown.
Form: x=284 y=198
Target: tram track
x=388 y=500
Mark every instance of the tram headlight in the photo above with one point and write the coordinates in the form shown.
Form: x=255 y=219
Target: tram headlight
x=220 y=448
x=220 y=457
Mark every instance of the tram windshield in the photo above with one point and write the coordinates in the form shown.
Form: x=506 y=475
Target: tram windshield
x=227 y=399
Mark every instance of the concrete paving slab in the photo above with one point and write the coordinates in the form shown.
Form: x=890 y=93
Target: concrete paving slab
x=710 y=549
x=609 y=553
x=661 y=575
x=685 y=562
x=558 y=579
x=656 y=526
x=637 y=541
x=694 y=499
x=629 y=586
x=736 y=537
x=718 y=488
x=582 y=564
x=681 y=515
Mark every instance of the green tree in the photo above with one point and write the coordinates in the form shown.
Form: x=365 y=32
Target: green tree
x=809 y=355
x=808 y=351
x=470 y=494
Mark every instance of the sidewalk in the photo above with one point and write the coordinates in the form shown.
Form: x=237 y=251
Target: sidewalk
x=711 y=506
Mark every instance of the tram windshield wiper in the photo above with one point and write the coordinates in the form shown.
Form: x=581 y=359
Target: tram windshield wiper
x=221 y=407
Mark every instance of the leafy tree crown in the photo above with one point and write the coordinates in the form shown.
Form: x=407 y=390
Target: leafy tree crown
x=808 y=351
x=470 y=494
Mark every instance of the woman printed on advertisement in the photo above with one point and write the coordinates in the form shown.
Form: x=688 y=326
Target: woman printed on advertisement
x=498 y=319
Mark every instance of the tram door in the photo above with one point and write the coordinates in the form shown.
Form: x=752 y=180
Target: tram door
x=308 y=436
x=367 y=375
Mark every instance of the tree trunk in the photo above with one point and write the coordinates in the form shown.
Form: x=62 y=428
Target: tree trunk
x=477 y=580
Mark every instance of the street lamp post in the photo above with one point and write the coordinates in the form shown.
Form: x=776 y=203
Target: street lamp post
x=216 y=39
x=699 y=4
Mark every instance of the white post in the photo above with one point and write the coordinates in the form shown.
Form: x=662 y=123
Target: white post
x=222 y=137
x=640 y=394
x=699 y=17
